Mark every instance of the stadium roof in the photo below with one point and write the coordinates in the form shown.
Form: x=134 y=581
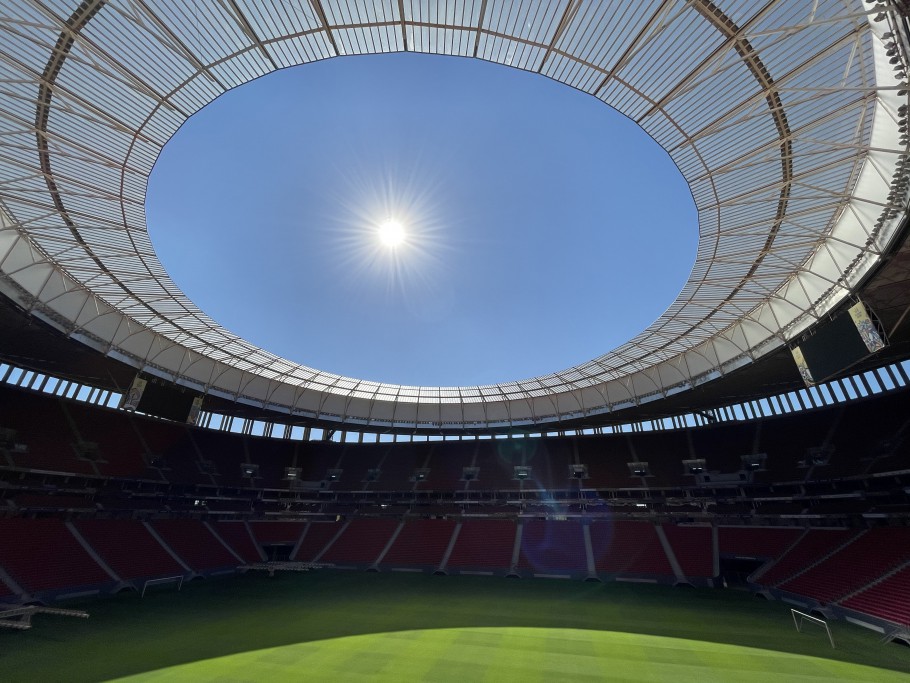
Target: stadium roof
x=784 y=117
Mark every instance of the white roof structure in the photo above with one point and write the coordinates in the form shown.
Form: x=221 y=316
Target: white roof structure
x=783 y=116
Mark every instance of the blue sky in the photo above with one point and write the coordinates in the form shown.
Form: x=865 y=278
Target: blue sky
x=544 y=228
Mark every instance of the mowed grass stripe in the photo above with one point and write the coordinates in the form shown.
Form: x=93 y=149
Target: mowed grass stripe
x=209 y=619
x=528 y=655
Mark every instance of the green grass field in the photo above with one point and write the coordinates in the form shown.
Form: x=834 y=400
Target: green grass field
x=335 y=626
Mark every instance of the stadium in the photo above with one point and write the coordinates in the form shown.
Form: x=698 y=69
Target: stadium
x=724 y=496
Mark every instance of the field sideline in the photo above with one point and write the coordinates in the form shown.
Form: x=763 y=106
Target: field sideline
x=356 y=626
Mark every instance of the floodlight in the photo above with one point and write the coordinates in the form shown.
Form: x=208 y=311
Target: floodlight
x=638 y=469
x=521 y=472
x=694 y=466
x=578 y=472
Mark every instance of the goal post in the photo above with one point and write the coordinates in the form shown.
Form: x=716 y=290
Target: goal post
x=800 y=617
x=167 y=579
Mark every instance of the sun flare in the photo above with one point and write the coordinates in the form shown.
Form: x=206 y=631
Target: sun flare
x=392 y=233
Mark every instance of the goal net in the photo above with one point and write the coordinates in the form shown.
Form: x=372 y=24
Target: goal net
x=801 y=618
x=158 y=582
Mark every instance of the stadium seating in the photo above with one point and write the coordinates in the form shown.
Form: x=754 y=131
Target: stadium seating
x=721 y=446
x=195 y=544
x=888 y=599
x=397 y=466
x=446 y=465
x=41 y=425
x=172 y=443
x=42 y=555
x=273 y=457
x=236 y=535
x=693 y=548
x=483 y=544
x=606 y=458
x=421 y=543
x=757 y=542
x=664 y=453
x=277 y=533
x=317 y=537
x=362 y=541
x=128 y=548
x=787 y=448
x=552 y=547
x=549 y=461
x=497 y=459
x=227 y=452
x=355 y=465
x=627 y=547
x=120 y=479
x=120 y=450
x=870 y=556
x=813 y=546
x=37 y=501
x=316 y=458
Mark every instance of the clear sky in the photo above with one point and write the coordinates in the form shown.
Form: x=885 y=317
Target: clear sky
x=542 y=227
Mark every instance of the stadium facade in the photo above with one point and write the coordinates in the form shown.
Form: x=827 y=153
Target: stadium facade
x=784 y=120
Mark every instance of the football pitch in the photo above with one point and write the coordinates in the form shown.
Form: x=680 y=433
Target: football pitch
x=338 y=626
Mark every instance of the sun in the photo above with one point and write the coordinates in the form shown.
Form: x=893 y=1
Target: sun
x=391 y=233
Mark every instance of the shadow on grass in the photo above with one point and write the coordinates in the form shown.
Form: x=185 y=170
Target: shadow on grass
x=127 y=635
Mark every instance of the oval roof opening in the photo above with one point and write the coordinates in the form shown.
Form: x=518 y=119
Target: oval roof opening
x=539 y=228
